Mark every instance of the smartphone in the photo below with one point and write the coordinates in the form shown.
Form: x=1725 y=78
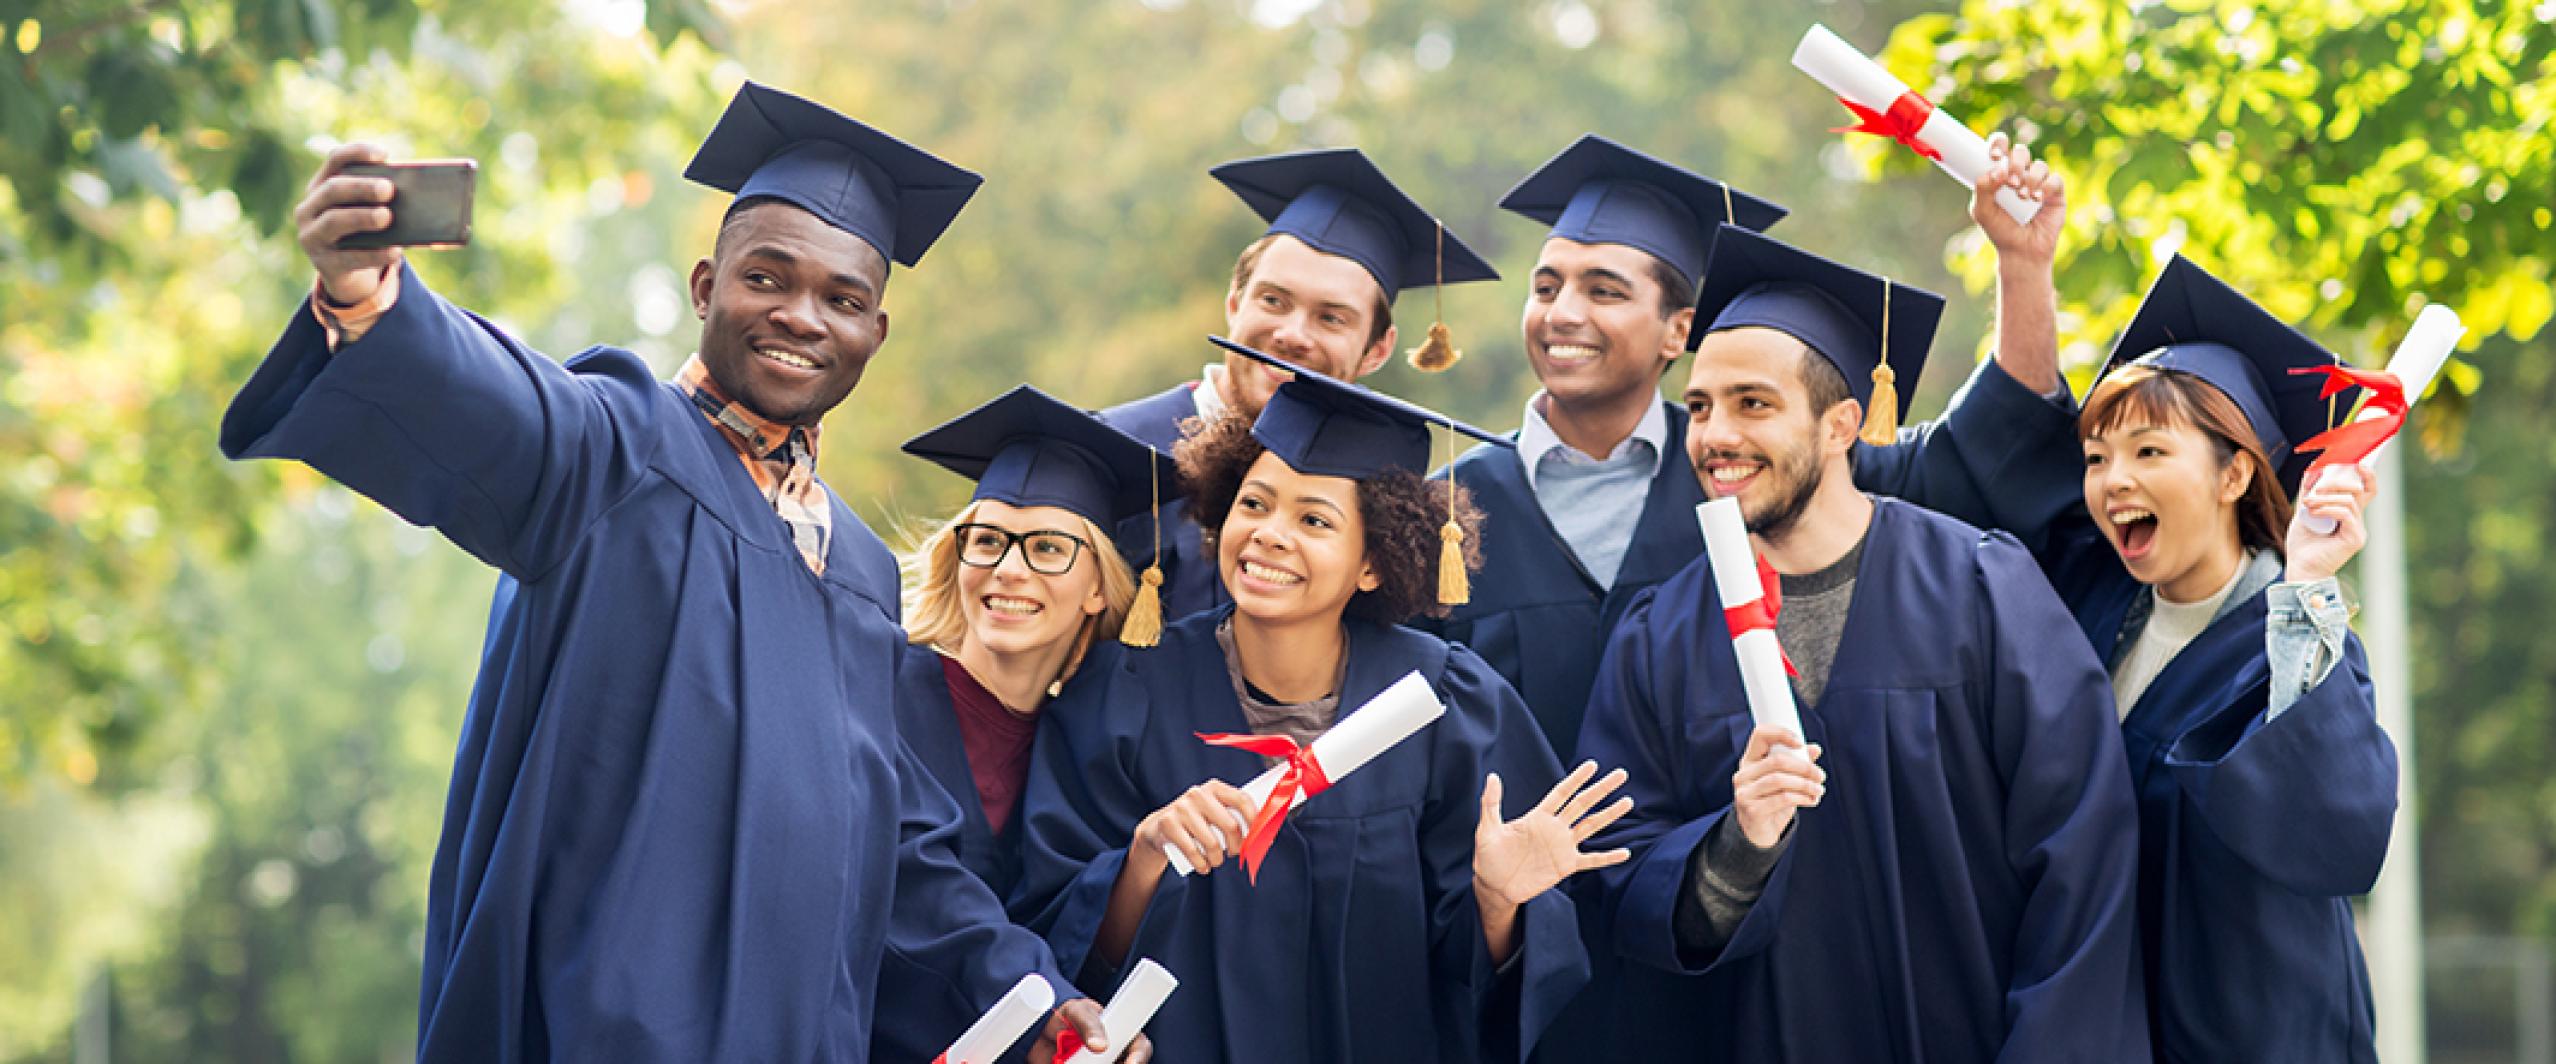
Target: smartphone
x=430 y=203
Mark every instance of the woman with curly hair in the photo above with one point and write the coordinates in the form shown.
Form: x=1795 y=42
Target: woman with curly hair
x=1001 y=604
x=1401 y=914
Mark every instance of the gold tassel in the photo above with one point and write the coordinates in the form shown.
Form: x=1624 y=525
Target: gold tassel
x=1454 y=588
x=1144 y=625
x=1881 y=417
x=1437 y=353
x=1881 y=423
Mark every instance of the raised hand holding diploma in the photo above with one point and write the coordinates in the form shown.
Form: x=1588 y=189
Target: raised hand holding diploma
x=1887 y=107
x=1005 y=1023
x=2409 y=374
x=2336 y=501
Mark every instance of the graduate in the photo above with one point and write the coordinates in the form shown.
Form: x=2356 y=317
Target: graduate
x=1596 y=499
x=1404 y=914
x=1002 y=602
x=1945 y=869
x=1316 y=290
x=2266 y=790
x=681 y=824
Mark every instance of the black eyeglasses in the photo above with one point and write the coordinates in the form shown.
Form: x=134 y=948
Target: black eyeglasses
x=1046 y=552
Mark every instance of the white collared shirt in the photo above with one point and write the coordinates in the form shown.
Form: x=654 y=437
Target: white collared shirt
x=1536 y=440
x=1593 y=503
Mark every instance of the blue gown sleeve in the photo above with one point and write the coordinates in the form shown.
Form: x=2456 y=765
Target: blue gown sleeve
x=2307 y=798
x=2000 y=457
x=1079 y=812
x=1488 y=729
x=945 y=921
x=450 y=423
x=2071 y=824
x=1629 y=727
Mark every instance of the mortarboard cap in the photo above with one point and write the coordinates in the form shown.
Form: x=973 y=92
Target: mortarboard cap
x=1600 y=192
x=1337 y=202
x=1836 y=309
x=1325 y=427
x=2193 y=322
x=897 y=197
x=1028 y=448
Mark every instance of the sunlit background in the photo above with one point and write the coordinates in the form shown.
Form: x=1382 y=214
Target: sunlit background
x=229 y=694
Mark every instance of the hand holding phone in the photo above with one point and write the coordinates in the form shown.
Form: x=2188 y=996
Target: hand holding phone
x=360 y=211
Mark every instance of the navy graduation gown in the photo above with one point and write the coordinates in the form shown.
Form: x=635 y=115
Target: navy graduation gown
x=1541 y=620
x=1361 y=941
x=681 y=825
x=1964 y=891
x=920 y=1013
x=1189 y=570
x=2252 y=834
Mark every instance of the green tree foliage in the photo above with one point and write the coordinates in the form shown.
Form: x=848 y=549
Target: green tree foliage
x=2343 y=163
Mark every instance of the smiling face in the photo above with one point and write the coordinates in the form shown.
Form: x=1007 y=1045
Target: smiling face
x=1316 y=310
x=790 y=311
x=2176 y=481
x=1756 y=430
x=1293 y=547
x=1013 y=609
x=1594 y=324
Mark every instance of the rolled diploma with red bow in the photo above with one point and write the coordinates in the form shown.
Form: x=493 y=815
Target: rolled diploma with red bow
x=1019 y=1010
x=2417 y=360
x=1392 y=716
x=1856 y=79
x=1761 y=659
x=1148 y=985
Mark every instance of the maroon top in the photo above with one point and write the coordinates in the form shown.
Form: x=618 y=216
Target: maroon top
x=997 y=741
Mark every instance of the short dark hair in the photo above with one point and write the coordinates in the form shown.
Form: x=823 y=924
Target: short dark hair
x=1827 y=384
x=1401 y=511
x=1250 y=260
x=1676 y=291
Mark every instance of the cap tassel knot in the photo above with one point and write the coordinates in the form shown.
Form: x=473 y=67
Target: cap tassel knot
x=1438 y=353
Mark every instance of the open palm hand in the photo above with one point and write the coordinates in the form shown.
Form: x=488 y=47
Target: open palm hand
x=1515 y=860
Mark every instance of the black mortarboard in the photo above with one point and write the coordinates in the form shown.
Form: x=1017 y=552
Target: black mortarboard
x=1836 y=309
x=1600 y=192
x=892 y=194
x=2193 y=322
x=1330 y=428
x=1028 y=448
x=1337 y=202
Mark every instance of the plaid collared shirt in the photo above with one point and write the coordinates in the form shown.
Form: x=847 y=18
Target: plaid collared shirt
x=782 y=460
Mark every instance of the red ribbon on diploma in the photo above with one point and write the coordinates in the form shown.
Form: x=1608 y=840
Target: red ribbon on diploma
x=1068 y=1042
x=1759 y=616
x=1905 y=119
x=2352 y=441
x=1303 y=779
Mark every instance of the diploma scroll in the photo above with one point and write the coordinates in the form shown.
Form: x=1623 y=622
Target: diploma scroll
x=1392 y=716
x=1020 y=1010
x=1761 y=659
x=2417 y=360
x=1856 y=79
x=1147 y=986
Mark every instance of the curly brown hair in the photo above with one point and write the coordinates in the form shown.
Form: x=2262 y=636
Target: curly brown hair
x=1402 y=513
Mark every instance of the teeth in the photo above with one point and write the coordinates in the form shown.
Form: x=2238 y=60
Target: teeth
x=1569 y=352
x=786 y=358
x=1733 y=474
x=1266 y=574
x=1018 y=607
x=2123 y=517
